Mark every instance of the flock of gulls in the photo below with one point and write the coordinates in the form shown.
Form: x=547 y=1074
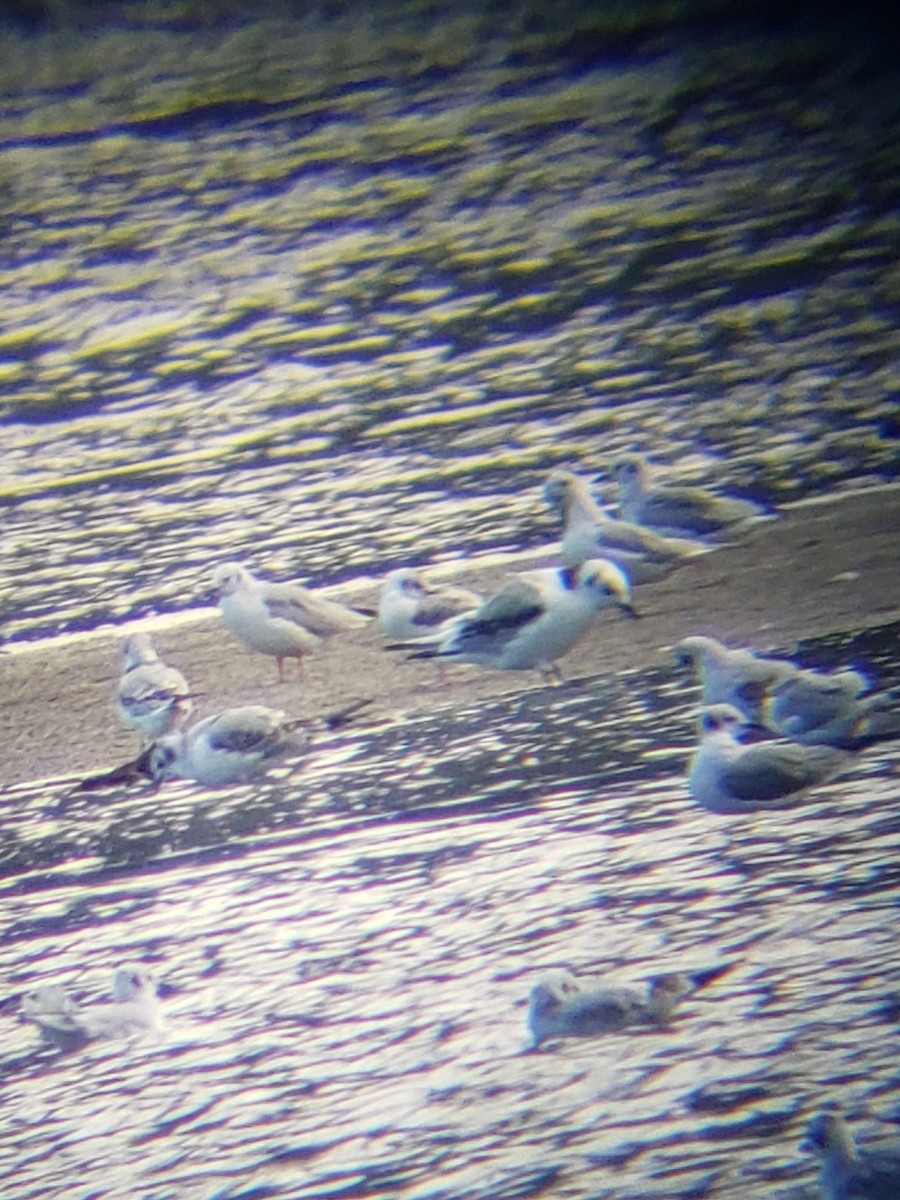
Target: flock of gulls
x=803 y=726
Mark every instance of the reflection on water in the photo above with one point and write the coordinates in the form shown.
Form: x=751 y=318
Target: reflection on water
x=347 y=949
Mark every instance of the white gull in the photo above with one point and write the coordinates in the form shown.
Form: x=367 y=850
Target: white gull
x=135 y=1008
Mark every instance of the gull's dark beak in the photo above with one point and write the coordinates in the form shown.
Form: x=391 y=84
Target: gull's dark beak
x=629 y=610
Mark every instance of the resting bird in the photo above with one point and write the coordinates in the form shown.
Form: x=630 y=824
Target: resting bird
x=135 y=1008
x=534 y=619
x=283 y=620
x=726 y=777
x=673 y=510
x=569 y=1007
x=847 y=1173
x=737 y=677
x=410 y=608
x=589 y=533
x=153 y=698
x=833 y=710
x=235 y=746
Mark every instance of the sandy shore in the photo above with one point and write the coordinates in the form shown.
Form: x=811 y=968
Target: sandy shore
x=818 y=569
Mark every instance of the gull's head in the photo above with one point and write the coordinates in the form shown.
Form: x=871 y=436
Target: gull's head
x=547 y=1000
x=670 y=987
x=629 y=470
x=138 y=648
x=229 y=578
x=694 y=651
x=132 y=981
x=160 y=761
x=608 y=583
x=721 y=718
x=827 y=1135
x=405 y=581
x=560 y=489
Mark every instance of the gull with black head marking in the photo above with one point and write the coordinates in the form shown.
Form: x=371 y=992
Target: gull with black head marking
x=568 y=1007
x=284 y=620
x=237 y=745
x=411 y=608
x=845 y=1171
x=588 y=532
x=677 y=511
x=134 y=1009
x=727 y=777
x=153 y=698
x=534 y=619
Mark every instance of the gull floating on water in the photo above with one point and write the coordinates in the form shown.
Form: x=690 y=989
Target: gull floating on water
x=737 y=677
x=284 y=620
x=411 y=608
x=674 y=510
x=846 y=1172
x=588 y=532
x=235 y=746
x=569 y=1007
x=135 y=1008
x=533 y=620
x=726 y=777
x=832 y=709
x=154 y=698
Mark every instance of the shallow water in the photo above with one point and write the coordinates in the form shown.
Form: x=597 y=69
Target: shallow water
x=347 y=949
x=351 y=322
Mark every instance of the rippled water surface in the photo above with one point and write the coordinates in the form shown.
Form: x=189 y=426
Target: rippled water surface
x=334 y=320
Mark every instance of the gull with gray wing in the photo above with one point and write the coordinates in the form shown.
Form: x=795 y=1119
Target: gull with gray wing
x=588 y=532
x=412 y=608
x=737 y=677
x=153 y=698
x=727 y=777
x=677 y=511
x=284 y=620
x=847 y=1172
x=134 y=1009
x=834 y=709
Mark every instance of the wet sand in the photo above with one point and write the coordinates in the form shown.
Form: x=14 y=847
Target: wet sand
x=819 y=569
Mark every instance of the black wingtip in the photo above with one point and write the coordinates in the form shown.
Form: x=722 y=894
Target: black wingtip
x=343 y=716
x=701 y=979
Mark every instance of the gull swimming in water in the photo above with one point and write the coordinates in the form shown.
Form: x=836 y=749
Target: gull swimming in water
x=411 y=608
x=534 y=619
x=846 y=1172
x=135 y=1008
x=674 y=510
x=726 y=777
x=235 y=746
x=737 y=677
x=284 y=620
x=153 y=698
x=567 y=1006
x=832 y=709
x=588 y=532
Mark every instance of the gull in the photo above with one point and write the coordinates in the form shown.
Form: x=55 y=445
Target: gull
x=726 y=777
x=153 y=698
x=234 y=746
x=284 y=620
x=568 y=1006
x=410 y=607
x=737 y=677
x=677 y=511
x=845 y=1172
x=832 y=709
x=135 y=1008
x=589 y=532
x=534 y=619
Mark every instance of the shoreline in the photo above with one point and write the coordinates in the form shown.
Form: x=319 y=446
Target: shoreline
x=819 y=569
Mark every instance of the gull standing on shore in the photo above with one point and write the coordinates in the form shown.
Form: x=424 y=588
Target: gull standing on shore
x=153 y=698
x=568 y=1007
x=588 y=532
x=846 y=1172
x=737 y=677
x=284 y=620
x=135 y=1008
x=674 y=510
x=533 y=620
x=411 y=608
x=726 y=777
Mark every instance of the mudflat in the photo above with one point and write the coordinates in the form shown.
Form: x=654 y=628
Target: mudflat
x=820 y=568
